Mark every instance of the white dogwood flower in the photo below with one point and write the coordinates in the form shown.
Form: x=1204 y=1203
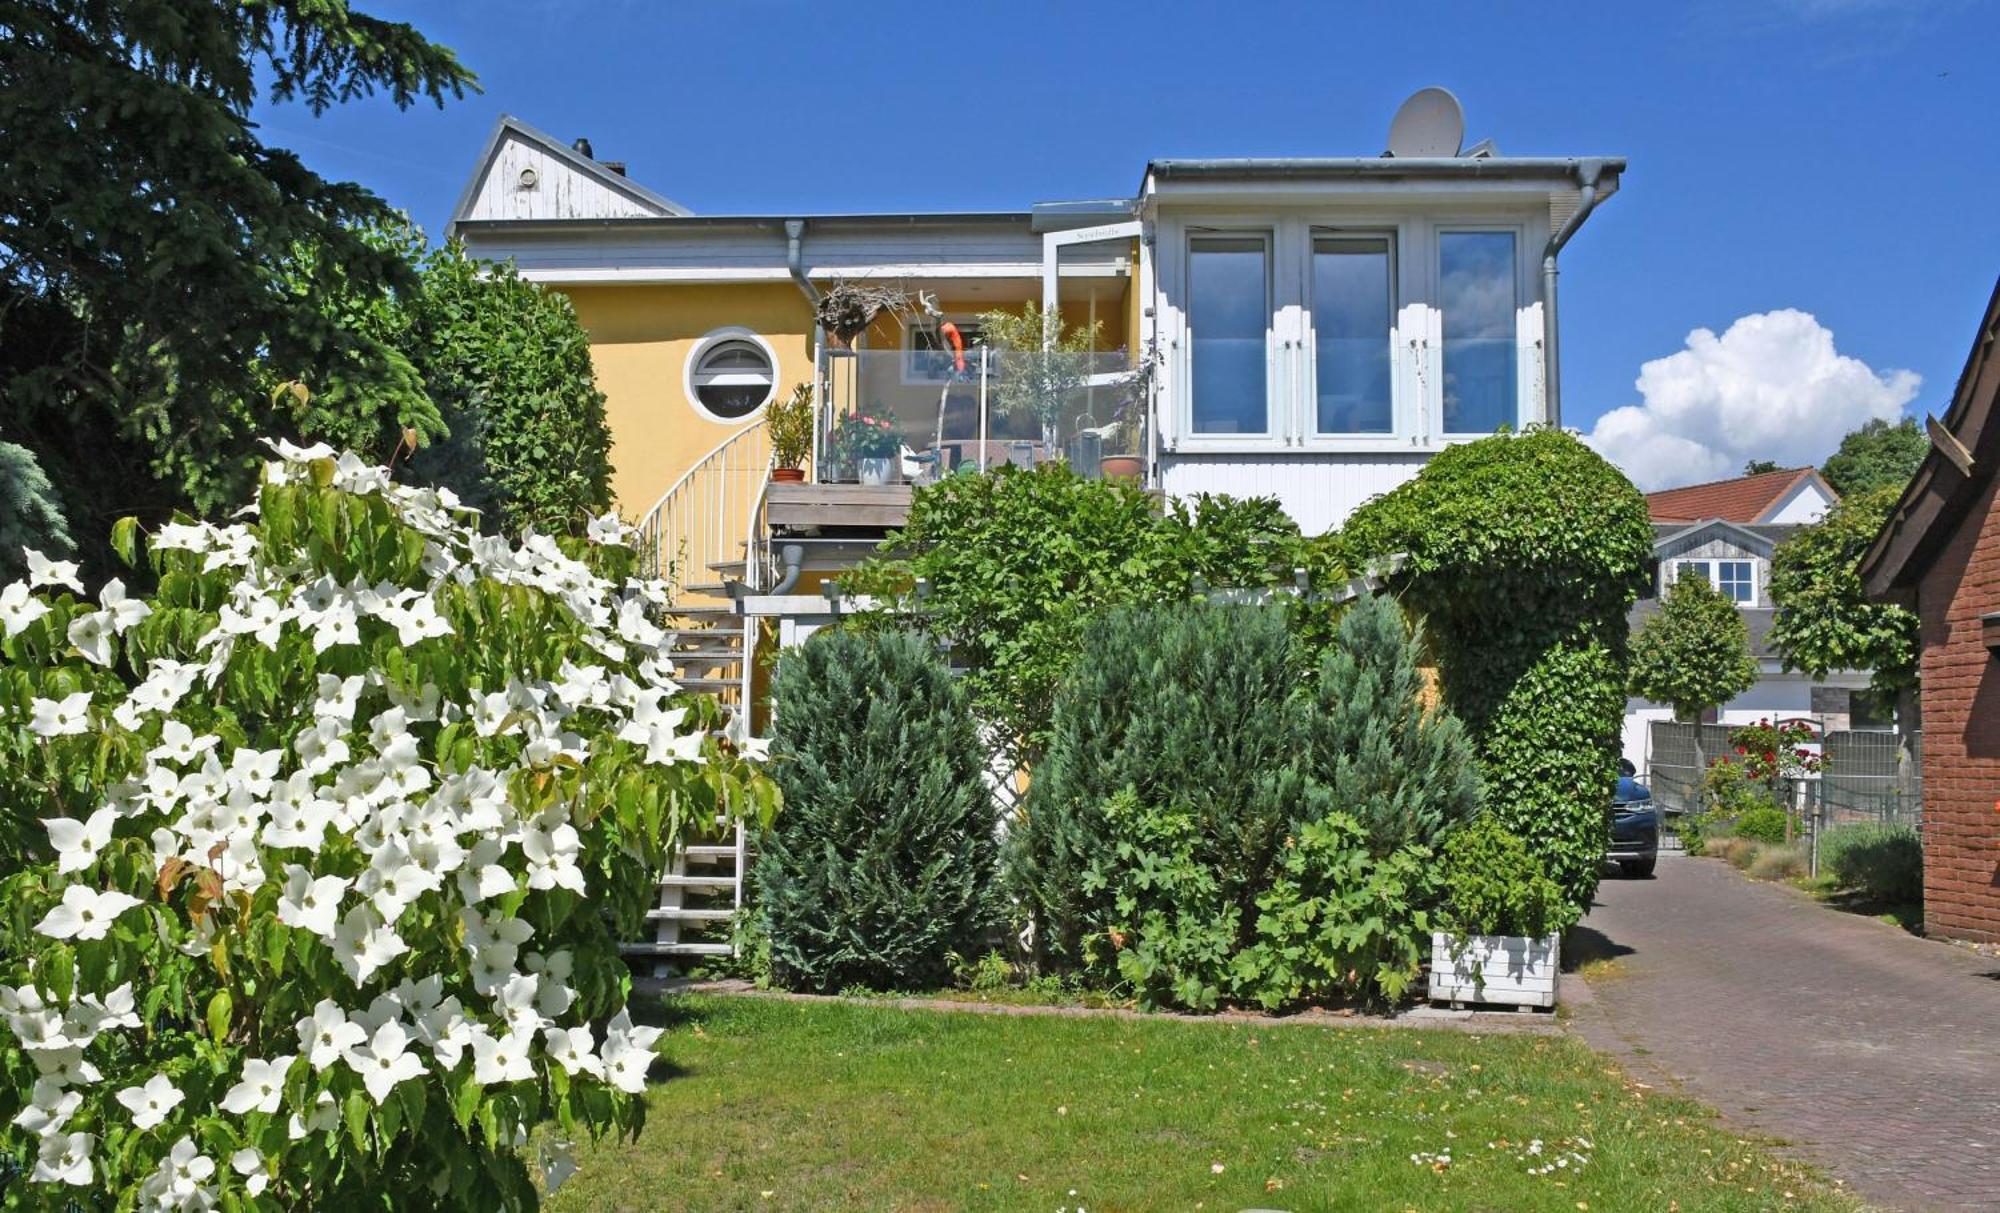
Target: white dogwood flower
x=311 y=904
x=63 y=717
x=150 y=1104
x=91 y=634
x=124 y=610
x=65 y=1159
x=628 y=1052
x=327 y=1034
x=19 y=608
x=78 y=842
x=85 y=913
x=49 y=1107
x=362 y=944
x=385 y=1060
x=44 y=573
x=573 y=1050
x=248 y=1163
x=261 y=1088
x=498 y=1059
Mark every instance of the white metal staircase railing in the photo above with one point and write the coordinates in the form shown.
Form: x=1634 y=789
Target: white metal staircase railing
x=704 y=519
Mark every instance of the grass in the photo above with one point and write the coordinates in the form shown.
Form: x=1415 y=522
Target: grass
x=772 y=1104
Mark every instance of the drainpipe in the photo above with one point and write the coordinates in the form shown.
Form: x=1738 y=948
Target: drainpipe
x=795 y=231
x=792 y=558
x=1589 y=172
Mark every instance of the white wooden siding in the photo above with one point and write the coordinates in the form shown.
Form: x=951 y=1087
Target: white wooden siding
x=559 y=190
x=1318 y=489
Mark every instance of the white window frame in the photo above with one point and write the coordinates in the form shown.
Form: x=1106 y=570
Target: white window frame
x=1276 y=426
x=1711 y=572
x=706 y=345
x=1306 y=402
x=1524 y=290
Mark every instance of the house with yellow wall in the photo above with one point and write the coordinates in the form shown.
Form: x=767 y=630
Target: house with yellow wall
x=1308 y=328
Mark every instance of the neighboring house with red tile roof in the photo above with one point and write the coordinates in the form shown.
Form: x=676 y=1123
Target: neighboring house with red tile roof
x=1726 y=532
x=1789 y=495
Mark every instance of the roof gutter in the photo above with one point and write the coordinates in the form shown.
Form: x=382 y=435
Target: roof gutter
x=1596 y=184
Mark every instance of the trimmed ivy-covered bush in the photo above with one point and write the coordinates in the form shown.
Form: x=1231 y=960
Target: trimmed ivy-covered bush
x=322 y=852
x=1524 y=554
x=882 y=865
x=1493 y=885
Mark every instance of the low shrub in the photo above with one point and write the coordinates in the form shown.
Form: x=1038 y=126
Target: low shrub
x=1778 y=861
x=1885 y=862
x=1764 y=823
x=882 y=864
x=1736 y=852
x=1339 y=919
x=1493 y=885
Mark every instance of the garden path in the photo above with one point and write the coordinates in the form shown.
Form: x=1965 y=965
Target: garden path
x=1876 y=1054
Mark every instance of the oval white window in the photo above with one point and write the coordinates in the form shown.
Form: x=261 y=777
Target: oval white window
x=731 y=376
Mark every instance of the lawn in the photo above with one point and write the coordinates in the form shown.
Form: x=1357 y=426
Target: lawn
x=767 y=1104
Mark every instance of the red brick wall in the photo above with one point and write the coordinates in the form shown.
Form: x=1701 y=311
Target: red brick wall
x=1961 y=707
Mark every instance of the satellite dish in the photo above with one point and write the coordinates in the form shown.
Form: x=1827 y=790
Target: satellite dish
x=1430 y=123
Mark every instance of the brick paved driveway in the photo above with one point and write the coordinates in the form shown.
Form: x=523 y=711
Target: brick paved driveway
x=1876 y=1054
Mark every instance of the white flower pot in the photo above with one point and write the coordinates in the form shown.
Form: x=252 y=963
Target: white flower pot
x=1509 y=970
x=876 y=471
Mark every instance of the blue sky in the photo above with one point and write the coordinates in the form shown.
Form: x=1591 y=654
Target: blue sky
x=1832 y=157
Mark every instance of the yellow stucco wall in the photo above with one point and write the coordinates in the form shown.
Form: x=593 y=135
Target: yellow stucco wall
x=640 y=339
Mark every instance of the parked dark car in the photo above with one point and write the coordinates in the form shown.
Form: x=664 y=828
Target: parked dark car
x=1635 y=827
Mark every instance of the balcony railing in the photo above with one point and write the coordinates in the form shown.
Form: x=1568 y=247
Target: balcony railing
x=917 y=416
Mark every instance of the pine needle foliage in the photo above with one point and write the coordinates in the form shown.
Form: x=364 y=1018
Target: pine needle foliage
x=1405 y=771
x=882 y=863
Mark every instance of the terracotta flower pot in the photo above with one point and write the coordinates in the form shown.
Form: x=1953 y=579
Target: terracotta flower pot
x=788 y=475
x=1121 y=467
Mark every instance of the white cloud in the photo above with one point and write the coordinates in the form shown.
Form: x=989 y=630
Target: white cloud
x=1771 y=387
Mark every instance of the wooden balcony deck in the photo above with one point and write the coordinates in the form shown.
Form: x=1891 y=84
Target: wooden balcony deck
x=868 y=507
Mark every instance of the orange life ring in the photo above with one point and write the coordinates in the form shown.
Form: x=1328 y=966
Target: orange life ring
x=949 y=335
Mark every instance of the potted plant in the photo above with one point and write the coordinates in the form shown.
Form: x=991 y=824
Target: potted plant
x=870 y=444
x=1043 y=366
x=1501 y=922
x=1122 y=460
x=791 y=424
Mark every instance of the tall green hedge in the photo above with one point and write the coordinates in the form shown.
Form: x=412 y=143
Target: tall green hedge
x=1525 y=553
x=882 y=861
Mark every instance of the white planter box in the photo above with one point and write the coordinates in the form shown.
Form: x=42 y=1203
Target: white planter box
x=1511 y=970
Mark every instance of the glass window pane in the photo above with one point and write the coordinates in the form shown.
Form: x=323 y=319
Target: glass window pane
x=1476 y=291
x=1734 y=580
x=1353 y=310
x=1228 y=311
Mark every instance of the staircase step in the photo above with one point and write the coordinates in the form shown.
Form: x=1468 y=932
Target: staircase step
x=705 y=656
x=716 y=611
x=709 y=854
x=708 y=684
x=682 y=914
x=675 y=949
x=698 y=882
x=726 y=567
x=708 y=589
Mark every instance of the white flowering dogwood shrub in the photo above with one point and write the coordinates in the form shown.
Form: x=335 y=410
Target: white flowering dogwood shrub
x=321 y=852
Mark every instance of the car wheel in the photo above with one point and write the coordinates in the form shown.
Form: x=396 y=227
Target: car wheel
x=1641 y=869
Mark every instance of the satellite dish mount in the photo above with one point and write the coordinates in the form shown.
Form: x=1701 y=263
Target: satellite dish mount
x=1430 y=124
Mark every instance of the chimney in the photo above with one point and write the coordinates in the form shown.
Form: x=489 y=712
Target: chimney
x=582 y=148
x=616 y=166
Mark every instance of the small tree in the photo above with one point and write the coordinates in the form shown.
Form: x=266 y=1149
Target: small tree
x=1876 y=456
x=1694 y=654
x=882 y=864
x=320 y=854
x=1825 y=622
x=1043 y=365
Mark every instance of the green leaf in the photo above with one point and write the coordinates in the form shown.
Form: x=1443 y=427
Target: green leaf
x=221 y=1011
